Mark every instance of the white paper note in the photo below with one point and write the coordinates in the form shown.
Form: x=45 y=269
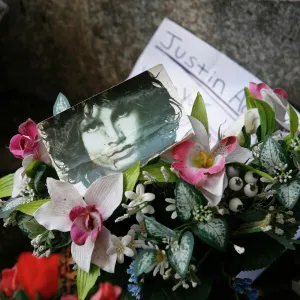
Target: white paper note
x=194 y=66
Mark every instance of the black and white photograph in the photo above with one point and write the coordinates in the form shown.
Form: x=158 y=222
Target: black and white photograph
x=136 y=120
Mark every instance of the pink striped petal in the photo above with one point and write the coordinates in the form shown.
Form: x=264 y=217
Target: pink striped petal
x=16 y=146
x=181 y=151
x=29 y=129
x=225 y=146
x=106 y=194
x=76 y=212
x=256 y=88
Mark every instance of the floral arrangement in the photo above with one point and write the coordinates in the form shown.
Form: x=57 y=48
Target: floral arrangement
x=172 y=229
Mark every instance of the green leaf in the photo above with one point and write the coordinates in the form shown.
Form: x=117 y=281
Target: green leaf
x=61 y=104
x=131 y=176
x=144 y=260
x=187 y=197
x=38 y=177
x=199 y=111
x=6 y=185
x=288 y=193
x=281 y=239
x=213 y=233
x=156 y=229
x=31 y=207
x=85 y=281
x=294 y=121
x=271 y=155
x=9 y=206
x=179 y=254
x=266 y=113
x=34 y=227
x=155 y=171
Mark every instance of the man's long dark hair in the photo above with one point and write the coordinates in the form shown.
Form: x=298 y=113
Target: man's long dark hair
x=62 y=136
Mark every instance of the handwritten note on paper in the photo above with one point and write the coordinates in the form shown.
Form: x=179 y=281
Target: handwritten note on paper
x=193 y=66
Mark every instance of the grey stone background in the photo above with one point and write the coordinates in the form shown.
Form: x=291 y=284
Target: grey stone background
x=81 y=47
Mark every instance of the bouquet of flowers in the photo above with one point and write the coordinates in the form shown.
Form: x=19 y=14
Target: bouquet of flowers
x=178 y=227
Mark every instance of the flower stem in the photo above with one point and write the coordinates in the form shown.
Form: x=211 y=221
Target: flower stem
x=184 y=226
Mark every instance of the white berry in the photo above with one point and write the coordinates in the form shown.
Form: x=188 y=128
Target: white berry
x=235 y=204
x=250 y=190
x=250 y=177
x=236 y=183
x=232 y=171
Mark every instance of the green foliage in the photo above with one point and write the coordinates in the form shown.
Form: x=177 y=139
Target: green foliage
x=199 y=111
x=266 y=113
x=6 y=185
x=31 y=207
x=155 y=171
x=281 y=239
x=271 y=155
x=61 y=104
x=86 y=280
x=144 y=260
x=213 y=233
x=288 y=193
x=294 y=121
x=156 y=229
x=187 y=198
x=179 y=255
x=131 y=176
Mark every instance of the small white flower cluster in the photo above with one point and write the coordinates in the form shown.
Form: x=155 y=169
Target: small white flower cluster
x=279 y=218
x=125 y=246
x=40 y=250
x=139 y=203
x=27 y=193
x=202 y=213
x=149 y=178
x=190 y=278
x=281 y=174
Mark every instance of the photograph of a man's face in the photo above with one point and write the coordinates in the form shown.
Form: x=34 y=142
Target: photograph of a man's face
x=134 y=121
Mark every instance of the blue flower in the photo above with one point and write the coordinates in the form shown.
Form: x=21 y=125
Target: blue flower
x=135 y=291
x=244 y=286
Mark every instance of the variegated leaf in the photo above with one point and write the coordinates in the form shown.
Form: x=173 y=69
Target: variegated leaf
x=144 y=260
x=288 y=193
x=187 y=197
x=179 y=254
x=9 y=206
x=271 y=155
x=156 y=229
x=61 y=104
x=213 y=233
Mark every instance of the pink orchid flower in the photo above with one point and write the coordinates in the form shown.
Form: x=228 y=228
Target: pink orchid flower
x=201 y=166
x=84 y=217
x=276 y=98
x=27 y=145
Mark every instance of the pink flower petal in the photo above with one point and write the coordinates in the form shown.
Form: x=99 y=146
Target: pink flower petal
x=225 y=146
x=79 y=233
x=181 y=151
x=219 y=164
x=100 y=257
x=76 y=212
x=82 y=255
x=15 y=146
x=256 y=88
x=29 y=129
x=106 y=194
x=280 y=92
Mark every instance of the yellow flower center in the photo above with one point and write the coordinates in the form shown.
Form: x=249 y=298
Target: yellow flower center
x=160 y=257
x=202 y=160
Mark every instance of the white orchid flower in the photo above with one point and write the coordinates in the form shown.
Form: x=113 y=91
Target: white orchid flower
x=83 y=217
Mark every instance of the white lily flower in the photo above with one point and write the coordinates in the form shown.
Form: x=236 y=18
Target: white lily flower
x=84 y=217
x=120 y=247
x=140 y=199
x=140 y=228
x=252 y=120
x=161 y=262
x=20 y=182
x=134 y=244
x=171 y=207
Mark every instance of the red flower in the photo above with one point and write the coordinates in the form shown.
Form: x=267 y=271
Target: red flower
x=8 y=283
x=69 y=297
x=107 y=291
x=38 y=275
